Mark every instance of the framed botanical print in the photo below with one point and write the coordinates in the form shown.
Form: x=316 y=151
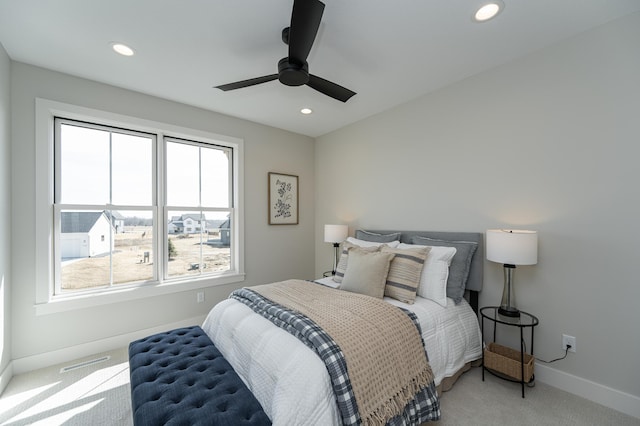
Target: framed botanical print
x=283 y=199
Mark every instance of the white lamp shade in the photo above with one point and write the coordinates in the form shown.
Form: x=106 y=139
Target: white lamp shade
x=335 y=233
x=512 y=246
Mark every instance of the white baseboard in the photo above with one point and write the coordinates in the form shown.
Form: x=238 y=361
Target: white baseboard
x=603 y=395
x=6 y=376
x=34 y=362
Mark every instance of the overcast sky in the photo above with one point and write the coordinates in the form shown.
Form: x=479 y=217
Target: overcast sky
x=86 y=178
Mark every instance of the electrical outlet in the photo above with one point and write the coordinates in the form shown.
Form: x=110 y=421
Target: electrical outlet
x=200 y=297
x=568 y=340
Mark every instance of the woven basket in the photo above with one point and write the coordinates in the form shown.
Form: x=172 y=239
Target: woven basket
x=507 y=361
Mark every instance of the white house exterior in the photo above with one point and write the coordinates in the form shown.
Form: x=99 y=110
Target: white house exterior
x=118 y=222
x=187 y=224
x=85 y=234
x=172 y=228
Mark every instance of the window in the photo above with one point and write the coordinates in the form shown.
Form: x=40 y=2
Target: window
x=198 y=196
x=133 y=204
x=101 y=173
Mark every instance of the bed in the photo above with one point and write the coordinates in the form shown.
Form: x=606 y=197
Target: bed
x=291 y=382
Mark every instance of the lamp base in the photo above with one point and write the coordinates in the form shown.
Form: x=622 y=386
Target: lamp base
x=508 y=303
x=509 y=311
x=336 y=258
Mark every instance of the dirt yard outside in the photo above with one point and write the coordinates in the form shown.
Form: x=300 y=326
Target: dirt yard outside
x=133 y=260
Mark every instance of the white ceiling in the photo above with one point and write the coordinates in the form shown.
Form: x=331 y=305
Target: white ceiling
x=389 y=52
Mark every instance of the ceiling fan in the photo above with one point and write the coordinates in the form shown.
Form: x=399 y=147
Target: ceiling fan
x=294 y=69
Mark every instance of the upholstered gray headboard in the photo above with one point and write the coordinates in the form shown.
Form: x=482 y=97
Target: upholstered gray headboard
x=476 y=271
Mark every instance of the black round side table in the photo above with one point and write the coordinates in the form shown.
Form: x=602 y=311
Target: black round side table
x=525 y=320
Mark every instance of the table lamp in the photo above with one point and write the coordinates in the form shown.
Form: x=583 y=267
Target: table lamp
x=335 y=234
x=511 y=247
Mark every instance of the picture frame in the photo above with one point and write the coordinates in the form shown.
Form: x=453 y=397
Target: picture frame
x=283 y=199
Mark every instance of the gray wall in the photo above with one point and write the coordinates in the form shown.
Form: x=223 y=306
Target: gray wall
x=271 y=252
x=5 y=210
x=549 y=142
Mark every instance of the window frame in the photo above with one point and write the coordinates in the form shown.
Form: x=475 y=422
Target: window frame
x=59 y=206
x=46 y=300
x=194 y=226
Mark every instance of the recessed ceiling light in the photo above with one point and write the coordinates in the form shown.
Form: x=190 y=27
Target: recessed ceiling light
x=488 y=11
x=122 y=49
x=306 y=111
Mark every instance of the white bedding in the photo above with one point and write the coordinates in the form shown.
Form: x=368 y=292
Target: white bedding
x=451 y=335
x=289 y=379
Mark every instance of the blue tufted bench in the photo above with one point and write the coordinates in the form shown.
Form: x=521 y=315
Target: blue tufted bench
x=180 y=378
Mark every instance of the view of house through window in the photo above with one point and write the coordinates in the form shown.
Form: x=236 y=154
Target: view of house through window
x=198 y=243
x=123 y=217
x=124 y=256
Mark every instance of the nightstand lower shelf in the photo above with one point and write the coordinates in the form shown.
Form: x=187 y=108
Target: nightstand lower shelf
x=509 y=362
x=502 y=376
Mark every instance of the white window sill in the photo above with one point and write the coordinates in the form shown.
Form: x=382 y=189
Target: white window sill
x=84 y=301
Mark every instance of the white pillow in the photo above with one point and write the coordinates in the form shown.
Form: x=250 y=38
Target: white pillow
x=433 y=281
x=363 y=243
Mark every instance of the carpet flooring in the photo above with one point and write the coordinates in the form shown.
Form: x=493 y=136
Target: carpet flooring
x=99 y=394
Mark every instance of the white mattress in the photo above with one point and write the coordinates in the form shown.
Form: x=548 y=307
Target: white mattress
x=289 y=379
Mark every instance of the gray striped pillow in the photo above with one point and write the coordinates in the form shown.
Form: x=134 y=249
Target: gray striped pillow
x=404 y=273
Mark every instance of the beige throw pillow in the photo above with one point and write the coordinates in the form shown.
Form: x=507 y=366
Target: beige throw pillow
x=404 y=272
x=341 y=268
x=367 y=272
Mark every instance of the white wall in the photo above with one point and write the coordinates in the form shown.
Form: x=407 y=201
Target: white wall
x=5 y=214
x=550 y=142
x=271 y=252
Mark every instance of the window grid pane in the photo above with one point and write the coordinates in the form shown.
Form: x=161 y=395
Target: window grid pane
x=183 y=174
x=100 y=249
x=198 y=243
x=215 y=178
x=133 y=257
x=84 y=174
x=132 y=170
x=86 y=243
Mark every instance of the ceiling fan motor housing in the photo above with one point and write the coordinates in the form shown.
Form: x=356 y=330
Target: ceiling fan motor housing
x=292 y=73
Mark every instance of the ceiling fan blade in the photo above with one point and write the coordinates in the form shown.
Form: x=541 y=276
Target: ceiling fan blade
x=305 y=21
x=330 y=89
x=247 y=83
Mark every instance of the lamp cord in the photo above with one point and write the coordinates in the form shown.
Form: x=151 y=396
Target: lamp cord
x=566 y=352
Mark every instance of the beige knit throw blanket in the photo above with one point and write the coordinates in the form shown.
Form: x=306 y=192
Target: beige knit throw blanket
x=386 y=360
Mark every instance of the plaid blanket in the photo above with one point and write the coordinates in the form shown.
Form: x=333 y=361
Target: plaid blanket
x=422 y=407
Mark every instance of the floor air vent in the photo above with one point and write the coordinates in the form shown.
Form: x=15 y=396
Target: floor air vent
x=84 y=364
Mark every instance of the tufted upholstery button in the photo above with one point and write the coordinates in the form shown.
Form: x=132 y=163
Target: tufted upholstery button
x=180 y=377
